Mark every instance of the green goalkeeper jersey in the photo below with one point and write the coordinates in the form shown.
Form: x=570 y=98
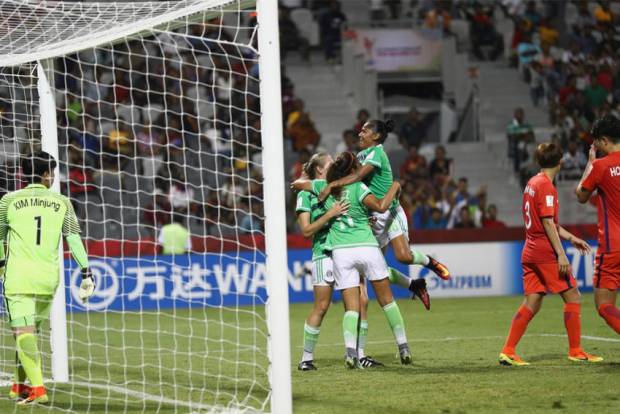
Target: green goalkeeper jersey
x=32 y=221
x=381 y=178
x=351 y=229
x=309 y=203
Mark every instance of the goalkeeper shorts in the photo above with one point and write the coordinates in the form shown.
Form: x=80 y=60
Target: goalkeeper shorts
x=28 y=310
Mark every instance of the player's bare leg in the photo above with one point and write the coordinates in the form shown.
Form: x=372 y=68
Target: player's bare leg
x=312 y=327
x=30 y=358
x=350 y=321
x=364 y=360
x=605 y=301
x=394 y=317
x=530 y=307
x=406 y=254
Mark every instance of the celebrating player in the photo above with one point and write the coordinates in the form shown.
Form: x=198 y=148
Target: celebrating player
x=603 y=175
x=389 y=226
x=34 y=218
x=314 y=220
x=355 y=252
x=545 y=265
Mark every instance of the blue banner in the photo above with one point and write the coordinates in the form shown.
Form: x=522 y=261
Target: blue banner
x=236 y=279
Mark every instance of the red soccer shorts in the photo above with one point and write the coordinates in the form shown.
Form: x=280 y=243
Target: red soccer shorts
x=545 y=277
x=607 y=271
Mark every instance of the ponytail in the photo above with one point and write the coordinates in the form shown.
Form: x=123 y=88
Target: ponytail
x=344 y=165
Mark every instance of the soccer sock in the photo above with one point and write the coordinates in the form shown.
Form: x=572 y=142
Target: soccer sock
x=29 y=356
x=519 y=324
x=420 y=258
x=572 y=322
x=397 y=278
x=349 y=329
x=361 y=340
x=20 y=374
x=395 y=319
x=311 y=337
x=611 y=314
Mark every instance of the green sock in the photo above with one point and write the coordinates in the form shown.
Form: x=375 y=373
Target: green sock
x=397 y=278
x=361 y=340
x=20 y=374
x=395 y=319
x=29 y=356
x=349 y=329
x=311 y=337
x=419 y=258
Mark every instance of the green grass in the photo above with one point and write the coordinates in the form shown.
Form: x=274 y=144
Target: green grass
x=455 y=348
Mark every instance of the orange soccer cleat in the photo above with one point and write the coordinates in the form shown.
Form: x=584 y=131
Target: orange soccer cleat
x=440 y=269
x=38 y=395
x=19 y=391
x=582 y=356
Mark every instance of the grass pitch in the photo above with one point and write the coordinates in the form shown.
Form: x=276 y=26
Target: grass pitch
x=455 y=348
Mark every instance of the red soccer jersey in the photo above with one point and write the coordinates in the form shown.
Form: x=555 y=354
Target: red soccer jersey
x=605 y=178
x=540 y=199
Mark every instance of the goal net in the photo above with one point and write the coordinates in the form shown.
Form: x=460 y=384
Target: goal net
x=153 y=110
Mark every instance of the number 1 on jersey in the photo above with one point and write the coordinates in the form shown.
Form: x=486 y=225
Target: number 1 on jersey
x=38 y=220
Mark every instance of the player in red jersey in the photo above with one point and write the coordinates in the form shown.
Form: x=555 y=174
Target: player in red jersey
x=545 y=265
x=603 y=175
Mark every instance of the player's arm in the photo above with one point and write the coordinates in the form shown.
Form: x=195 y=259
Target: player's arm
x=71 y=231
x=587 y=183
x=309 y=229
x=301 y=184
x=578 y=243
x=4 y=228
x=554 y=238
x=381 y=205
x=355 y=177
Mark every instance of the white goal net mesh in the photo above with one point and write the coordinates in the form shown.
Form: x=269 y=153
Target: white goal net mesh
x=159 y=141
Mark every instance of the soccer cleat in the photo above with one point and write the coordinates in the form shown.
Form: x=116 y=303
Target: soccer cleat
x=439 y=269
x=405 y=355
x=511 y=360
x=351 y=362
x=418 y=288
x=368 y=362
x=583 y=356
x=38 y=395
x=19 y=391
x=306 y=366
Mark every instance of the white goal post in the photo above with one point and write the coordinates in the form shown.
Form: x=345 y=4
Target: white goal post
x=194 y=71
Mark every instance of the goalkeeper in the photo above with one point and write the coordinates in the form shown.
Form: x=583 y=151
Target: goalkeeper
x=32 y=220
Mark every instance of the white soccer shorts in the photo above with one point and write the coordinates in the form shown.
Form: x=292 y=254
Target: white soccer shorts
x=389 y=225
x=351 y=262
x=323 y=272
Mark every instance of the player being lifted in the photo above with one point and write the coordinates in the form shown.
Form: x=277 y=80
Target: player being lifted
x=33 y=219
x=389 y=227
x=545 y=265
x=314 y=221
x=355 y=252
x=603 y=175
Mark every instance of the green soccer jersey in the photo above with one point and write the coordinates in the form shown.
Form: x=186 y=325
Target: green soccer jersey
x=351 y=229
x=32 y=221
x=308 y=202
x=381 y=178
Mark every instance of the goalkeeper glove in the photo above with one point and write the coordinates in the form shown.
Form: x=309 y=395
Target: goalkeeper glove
x=87 y=287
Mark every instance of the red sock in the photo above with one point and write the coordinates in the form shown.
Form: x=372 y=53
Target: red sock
x=572 y=321
x=519 y=324
x=611 y=314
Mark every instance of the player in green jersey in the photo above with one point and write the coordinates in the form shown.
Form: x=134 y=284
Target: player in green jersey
x=355 y=252
x=391 y=226
x=32 y=221
x=314 y=219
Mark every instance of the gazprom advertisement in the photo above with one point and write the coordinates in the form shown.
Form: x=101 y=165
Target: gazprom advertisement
x=152 y=283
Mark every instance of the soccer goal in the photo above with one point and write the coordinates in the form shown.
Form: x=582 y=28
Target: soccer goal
x=160 y=114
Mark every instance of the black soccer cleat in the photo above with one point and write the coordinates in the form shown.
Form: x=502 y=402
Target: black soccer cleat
x=306 y=366
x=418 y=288
x=369 y=362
